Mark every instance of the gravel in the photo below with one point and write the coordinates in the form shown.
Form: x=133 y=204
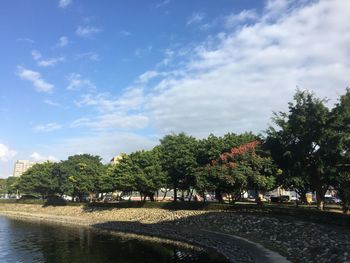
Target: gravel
x=299 y=241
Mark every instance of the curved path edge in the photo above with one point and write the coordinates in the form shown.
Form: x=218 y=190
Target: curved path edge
x=235 y=248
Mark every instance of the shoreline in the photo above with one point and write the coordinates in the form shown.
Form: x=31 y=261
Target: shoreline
x=234 y=248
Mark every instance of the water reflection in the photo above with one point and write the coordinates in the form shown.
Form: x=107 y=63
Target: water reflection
x=22 y=241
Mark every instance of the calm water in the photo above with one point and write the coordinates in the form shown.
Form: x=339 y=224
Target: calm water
x=22 y=241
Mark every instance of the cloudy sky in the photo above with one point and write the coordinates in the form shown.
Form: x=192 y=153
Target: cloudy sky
x=81 y=76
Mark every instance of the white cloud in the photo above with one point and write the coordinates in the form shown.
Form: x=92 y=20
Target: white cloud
x=50 y=62
x=36 y=55
x=49 y=127
x=87 y=31
x=148 y=75
x=26 y=40
x=105 y=145
x=274 y=8
x=131 y=100
x=112 y=121
x=63 y=41
x=140 y=52
x=64 y=3
x=163 y=3
x=125 y=33
x=246 y=15
x=35 y=78
x=88 y=55
x=195 y=18
x=123 y=113
x=5 y=153
x=234 y=81
x=36 y=157
x=45 y=62
x=76 y=82
x=53 y=104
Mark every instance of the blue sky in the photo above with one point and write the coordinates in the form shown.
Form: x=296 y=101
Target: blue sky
x=103 y=78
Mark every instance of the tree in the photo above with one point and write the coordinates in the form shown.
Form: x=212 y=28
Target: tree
x=12 y=185
x=3 y=186
x=121 y=175
x=178 y=159
x=40 y=179
x=299 y=145
x=339 y=148
x=80 y=175
x=105 y=181
x=209 y=149
x=147 y=172
x=240 y=169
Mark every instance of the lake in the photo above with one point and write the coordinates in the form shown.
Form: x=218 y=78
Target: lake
x=23 y=241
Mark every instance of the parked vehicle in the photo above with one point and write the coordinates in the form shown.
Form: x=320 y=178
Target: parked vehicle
x=108 y=198
x=125 y=197
x=280 y=199
x=28 y=197
x=294 y=198
x=332 y=200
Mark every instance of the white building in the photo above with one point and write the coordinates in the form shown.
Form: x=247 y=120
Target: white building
x=21 y=166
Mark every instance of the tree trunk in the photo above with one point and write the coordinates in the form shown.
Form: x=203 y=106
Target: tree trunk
x=320 y=199
x=165 y=193
x=175 y=193
x=91 y=197
x=218 y=196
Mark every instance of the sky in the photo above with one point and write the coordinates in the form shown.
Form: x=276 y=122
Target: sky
x=105 y=77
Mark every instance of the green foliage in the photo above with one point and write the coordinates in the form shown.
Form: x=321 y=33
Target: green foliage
x=41 y=179
x=80 y=175
x=299 y=145
x=148 y=173
x=121 y=177
x=339 y=148
x=178 y=159
x=3 y=189
x=242 y=168
x=12 y=185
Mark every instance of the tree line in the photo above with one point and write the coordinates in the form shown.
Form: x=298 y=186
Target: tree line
x=305 y=149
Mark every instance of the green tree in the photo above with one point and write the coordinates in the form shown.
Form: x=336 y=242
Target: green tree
x=80 y=175
x=3 y=189
x=208 y=150
x=242 y=168
x=178 y=159
x=105 y=180
x=147 y=172
x=338 y=148
x=40 y=179
x=12 y=185
x=298 y=144
x=121 y=175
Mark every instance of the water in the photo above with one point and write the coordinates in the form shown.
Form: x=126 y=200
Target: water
x=22 y=242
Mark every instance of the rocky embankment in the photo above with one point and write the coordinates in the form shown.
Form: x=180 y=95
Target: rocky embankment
x=299 y=241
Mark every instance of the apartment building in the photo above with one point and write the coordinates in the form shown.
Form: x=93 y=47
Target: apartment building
x=21 y=166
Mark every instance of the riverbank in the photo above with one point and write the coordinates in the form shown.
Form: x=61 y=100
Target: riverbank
x=299 y=241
